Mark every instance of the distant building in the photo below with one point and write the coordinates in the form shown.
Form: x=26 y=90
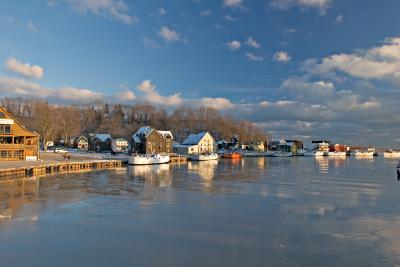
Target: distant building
x=200 y=143
x=80 y=142
x=148 y=140
x=101 y=142
x=16 y=142
x=257 y=146
x=119 y=145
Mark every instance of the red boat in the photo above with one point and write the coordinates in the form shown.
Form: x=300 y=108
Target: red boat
x=233 y=155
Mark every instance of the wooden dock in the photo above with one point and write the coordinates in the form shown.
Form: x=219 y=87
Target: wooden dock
x=178 y=159
x=28 y=171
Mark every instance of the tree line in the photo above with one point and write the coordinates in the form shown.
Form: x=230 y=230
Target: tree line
x=54 y=122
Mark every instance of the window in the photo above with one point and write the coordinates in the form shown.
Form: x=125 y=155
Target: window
x=2 y=115
x=5 y=129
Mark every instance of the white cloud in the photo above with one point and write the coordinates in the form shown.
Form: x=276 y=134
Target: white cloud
x=151 y=43
x=339 y=19
x=168 y=35
x=31 y=27
x=151 y=95
x=205 y=13
x=253 y=57
x=125 y=96
x=76 y=94
x=321 y=5
x=253 y=43
x=229 y=18
x=282 y=57
x=234 y=45
x=233 y=3
x=116 y=9
x=162 y=11
x=381 y=63
x=217 y=103
x=25 y=69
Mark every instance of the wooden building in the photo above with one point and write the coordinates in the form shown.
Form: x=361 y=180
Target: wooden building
x=101 y=143
x=81 y=142
x=16 y=142
x=148 y=140
x=200 y=143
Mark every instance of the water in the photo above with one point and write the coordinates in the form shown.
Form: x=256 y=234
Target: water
x=252 y=212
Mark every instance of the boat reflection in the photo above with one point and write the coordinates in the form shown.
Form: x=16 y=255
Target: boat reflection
x=158 y=175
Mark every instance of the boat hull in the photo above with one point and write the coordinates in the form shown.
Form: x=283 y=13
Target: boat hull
x=337 y=154
x=232 y=156
x=204 y=157
x=148 y=159
x=393 y=154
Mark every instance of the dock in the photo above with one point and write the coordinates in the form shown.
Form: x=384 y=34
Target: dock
x=33 y=170
x=178 y=158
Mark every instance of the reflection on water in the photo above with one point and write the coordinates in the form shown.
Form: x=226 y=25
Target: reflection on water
x=250 y=212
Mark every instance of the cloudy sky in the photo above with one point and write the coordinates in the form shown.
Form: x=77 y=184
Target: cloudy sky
x=297 y=68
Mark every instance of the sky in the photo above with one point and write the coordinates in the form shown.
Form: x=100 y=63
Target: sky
x=306 y=69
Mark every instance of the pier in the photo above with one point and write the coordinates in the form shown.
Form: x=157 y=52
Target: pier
x=27 y=171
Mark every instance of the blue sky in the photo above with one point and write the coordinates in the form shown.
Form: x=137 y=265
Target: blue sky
x=297 y=68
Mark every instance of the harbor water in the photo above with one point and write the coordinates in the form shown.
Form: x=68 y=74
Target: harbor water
x=247 y=212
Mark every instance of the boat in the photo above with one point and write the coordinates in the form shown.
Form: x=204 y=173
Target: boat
x=320 y=153
x=148 y=159
x=281 y=154
x=364 y=154
x=337 y=154
x=233 y=155
x=204 y=157
x=391 y=154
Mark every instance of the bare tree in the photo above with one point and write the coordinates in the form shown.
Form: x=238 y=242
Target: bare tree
x=45 y=121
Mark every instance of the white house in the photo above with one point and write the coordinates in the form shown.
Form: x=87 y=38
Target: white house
x=119 y=145
x=201 y=143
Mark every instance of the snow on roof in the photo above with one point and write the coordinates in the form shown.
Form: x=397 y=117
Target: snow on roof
x=165 y=133
x=145 y=130
x=102 y=137
x=194 y=139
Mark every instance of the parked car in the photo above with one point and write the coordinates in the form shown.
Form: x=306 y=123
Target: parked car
x=60 y=150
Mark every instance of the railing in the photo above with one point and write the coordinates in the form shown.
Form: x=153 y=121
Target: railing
x=13 y=147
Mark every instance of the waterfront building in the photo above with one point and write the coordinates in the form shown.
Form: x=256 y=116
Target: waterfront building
x=16 y=142
x=200 y=143
x=101 y=142
x=119 y=145
x=81 y=142
x=147 y=140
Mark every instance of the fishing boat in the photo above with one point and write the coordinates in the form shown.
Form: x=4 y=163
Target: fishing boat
x=204 y=157
x=233 y=155
x=337 y=154
x=391 y=154
x=148 y=159
x=364 y=154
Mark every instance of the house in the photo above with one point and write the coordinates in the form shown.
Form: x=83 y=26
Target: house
x=257 y=146
x=119 y=145
x=226 y=145
x=16 y=142
x=101 y=142
x=200 y=143
x=148 y=140
x=81 y=142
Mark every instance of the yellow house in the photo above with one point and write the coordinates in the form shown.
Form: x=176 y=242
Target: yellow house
x=16 y=142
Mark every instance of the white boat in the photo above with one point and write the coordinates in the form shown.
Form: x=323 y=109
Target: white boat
x=281 y=154
x=391 y=154
x=147 y=159
x=320 y=153
x=336 y=154
x=364 y=154
x=212 y=156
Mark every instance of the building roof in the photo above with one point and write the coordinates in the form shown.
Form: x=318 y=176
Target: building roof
x=121 y=139
x=194 y=139
x=145 y=130
x=102 y=137
x=166 y=133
